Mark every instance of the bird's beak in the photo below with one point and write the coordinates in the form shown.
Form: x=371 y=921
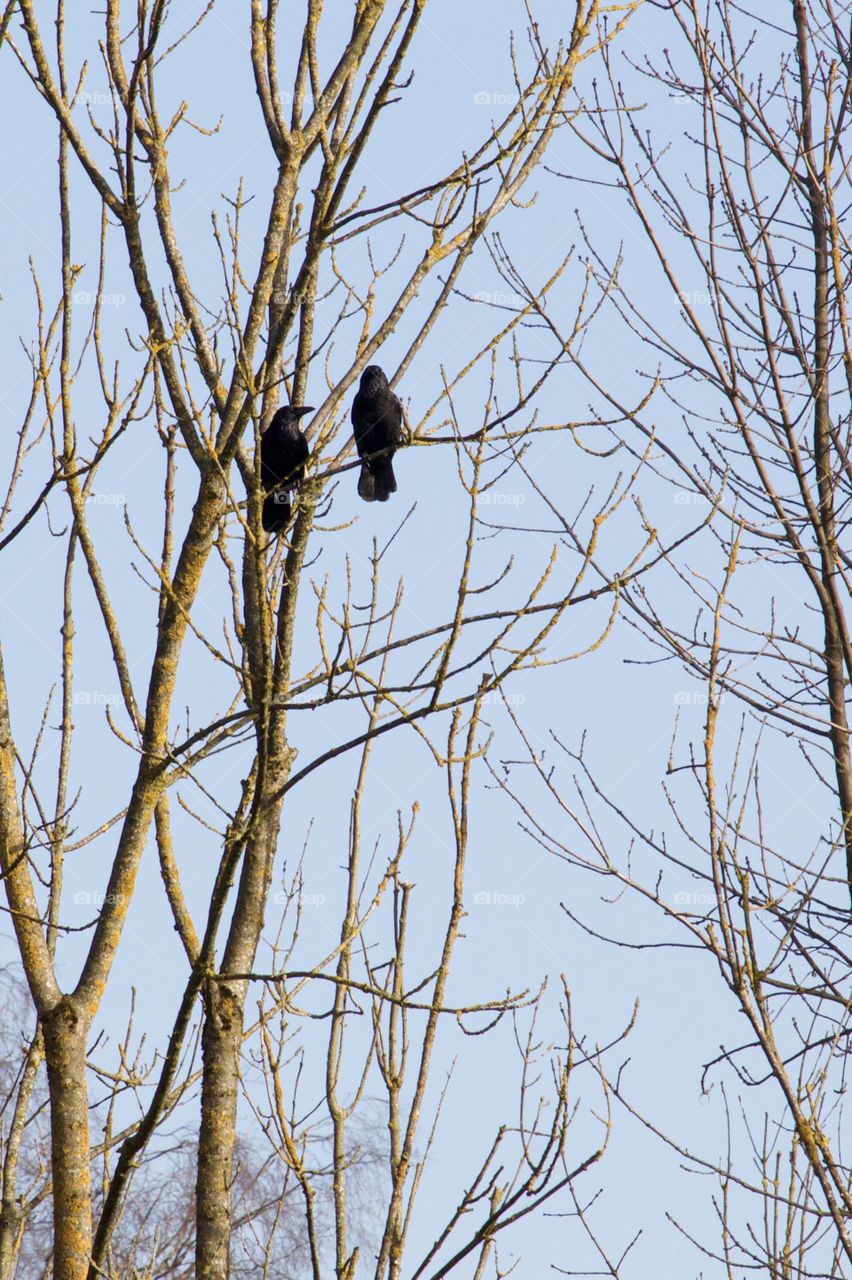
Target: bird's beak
x=302 y=410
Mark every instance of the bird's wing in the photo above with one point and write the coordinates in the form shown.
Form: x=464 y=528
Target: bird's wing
x=268 y=459
x=360 y=420
x=387 y=423
x=298 y=458
x=395 y=432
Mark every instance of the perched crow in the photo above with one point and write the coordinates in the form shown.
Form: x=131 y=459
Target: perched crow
x=377 y=421
x=283 y=451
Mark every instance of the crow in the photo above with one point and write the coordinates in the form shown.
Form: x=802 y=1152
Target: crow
x=377 y=423
x=283 y=451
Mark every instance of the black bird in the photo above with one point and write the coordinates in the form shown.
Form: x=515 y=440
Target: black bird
x=283 y=452
x=377 y=423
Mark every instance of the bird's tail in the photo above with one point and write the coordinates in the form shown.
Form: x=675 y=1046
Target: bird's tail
x=384 y=479
x=367 y=483
x=276 y=511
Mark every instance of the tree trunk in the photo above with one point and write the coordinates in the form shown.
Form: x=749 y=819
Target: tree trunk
x=65 y=1054
x=223 y=1028
x=223 y=1024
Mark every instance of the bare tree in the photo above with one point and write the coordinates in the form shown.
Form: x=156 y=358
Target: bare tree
x=741 y=321
x=198 y=369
